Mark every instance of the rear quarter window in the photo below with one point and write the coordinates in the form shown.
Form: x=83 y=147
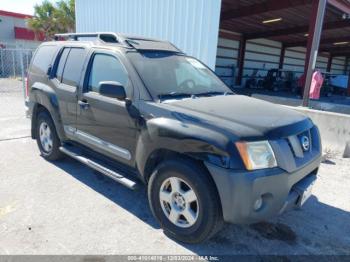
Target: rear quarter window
x=43 y=58
x=73 y=67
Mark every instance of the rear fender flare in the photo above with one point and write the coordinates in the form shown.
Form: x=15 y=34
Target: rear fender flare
x=45 y=96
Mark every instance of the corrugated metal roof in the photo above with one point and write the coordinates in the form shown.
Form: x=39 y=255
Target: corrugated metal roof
x=294 y=23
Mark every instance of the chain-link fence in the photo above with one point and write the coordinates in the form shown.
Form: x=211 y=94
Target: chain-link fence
x=14 y=62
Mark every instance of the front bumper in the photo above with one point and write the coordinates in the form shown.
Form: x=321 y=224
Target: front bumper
x=278 y=189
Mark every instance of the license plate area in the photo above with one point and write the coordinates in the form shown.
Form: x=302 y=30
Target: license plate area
x=305 y=195
x=304 y=189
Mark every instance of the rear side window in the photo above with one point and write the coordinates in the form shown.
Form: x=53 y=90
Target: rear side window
x=74 y=65
x=106 y=68
x=43 y=58
x=61 y=63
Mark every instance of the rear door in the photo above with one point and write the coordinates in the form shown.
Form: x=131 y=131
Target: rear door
x=66 y=79
x=104 y=123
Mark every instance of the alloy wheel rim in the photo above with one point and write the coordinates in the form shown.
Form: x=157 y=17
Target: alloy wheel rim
x=179 y=202
x=45 y=137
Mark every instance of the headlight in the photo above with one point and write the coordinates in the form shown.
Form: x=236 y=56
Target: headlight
x=256 y=155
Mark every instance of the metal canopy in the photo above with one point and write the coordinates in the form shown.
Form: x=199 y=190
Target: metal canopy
x=246 y=16
x=318 y=25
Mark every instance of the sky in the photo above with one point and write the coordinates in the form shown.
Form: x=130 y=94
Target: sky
x=19 y=6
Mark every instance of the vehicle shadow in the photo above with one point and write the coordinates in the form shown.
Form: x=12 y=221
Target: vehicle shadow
x=317 y=228
x=111 y=189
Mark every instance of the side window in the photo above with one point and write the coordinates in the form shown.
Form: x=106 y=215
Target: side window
x=73 y=67
x=43 y=58
x=106 y=68
x=61 y=63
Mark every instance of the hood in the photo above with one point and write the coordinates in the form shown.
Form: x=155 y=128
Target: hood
x=243 y=116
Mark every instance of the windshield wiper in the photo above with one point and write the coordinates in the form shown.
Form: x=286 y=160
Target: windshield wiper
x=173 y=95
x=176 y=95
x=214 y=93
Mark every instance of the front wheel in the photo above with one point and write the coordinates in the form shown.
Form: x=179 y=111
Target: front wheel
x=184 y=200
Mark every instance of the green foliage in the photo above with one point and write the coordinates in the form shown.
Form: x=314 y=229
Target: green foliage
x=52 y=18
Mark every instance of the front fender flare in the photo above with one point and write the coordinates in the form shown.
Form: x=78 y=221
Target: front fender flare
x=189 y=139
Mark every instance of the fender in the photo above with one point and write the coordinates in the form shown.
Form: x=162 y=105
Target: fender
x=185 y=138
x=44 y=95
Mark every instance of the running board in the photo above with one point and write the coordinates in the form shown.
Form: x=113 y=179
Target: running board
x=107 y=171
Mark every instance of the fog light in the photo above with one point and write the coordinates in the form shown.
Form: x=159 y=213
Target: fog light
x=258 y=203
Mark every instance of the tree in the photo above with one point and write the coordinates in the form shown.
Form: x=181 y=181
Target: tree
x=50 y=19
x=65 y=13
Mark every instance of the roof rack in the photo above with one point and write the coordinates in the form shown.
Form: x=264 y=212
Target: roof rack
x=138 y=43
x=108 y=37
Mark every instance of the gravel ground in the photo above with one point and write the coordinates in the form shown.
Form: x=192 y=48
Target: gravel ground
x=66 y=208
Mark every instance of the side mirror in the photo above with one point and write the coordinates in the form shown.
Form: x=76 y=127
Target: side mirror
x=112 y=89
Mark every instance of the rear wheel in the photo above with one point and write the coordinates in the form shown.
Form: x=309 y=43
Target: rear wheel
x=46 y=137
x=184 y=200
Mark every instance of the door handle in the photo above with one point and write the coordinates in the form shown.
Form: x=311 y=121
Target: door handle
x=83 y=104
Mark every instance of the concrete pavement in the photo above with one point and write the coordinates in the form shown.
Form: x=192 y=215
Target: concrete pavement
x=66 y=208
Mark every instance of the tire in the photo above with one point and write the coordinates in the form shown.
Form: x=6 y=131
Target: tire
x=206 y=219
x=49 y=149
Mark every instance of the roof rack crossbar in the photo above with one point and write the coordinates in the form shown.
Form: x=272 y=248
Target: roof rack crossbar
x=100 y=36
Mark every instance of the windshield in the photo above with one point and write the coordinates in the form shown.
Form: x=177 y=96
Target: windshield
x=169 y=75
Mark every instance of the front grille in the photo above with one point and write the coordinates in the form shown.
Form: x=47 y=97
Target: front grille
x=305 y=135
x=301 y=143
x=301 y=154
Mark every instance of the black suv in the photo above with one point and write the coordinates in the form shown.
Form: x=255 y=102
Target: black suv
x=138 y=109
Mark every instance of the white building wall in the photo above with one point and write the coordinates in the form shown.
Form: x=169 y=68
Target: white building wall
x=338 y=65
x=7 y=33
x=295 y=59
x=261 y=55
x=190 y=25
x=7 y=24
x=226 y=60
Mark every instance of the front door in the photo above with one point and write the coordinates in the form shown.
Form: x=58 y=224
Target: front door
x=103 y=123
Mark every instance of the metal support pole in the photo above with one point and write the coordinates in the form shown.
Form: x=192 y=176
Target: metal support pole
x=2 y=63
x=27 y=59
x=283 y=52
x=346 y=67
x=22 y=73
x=348 y=91
x=315 y=30
x=13 y=63
x=329 y=63
x=240 y=61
